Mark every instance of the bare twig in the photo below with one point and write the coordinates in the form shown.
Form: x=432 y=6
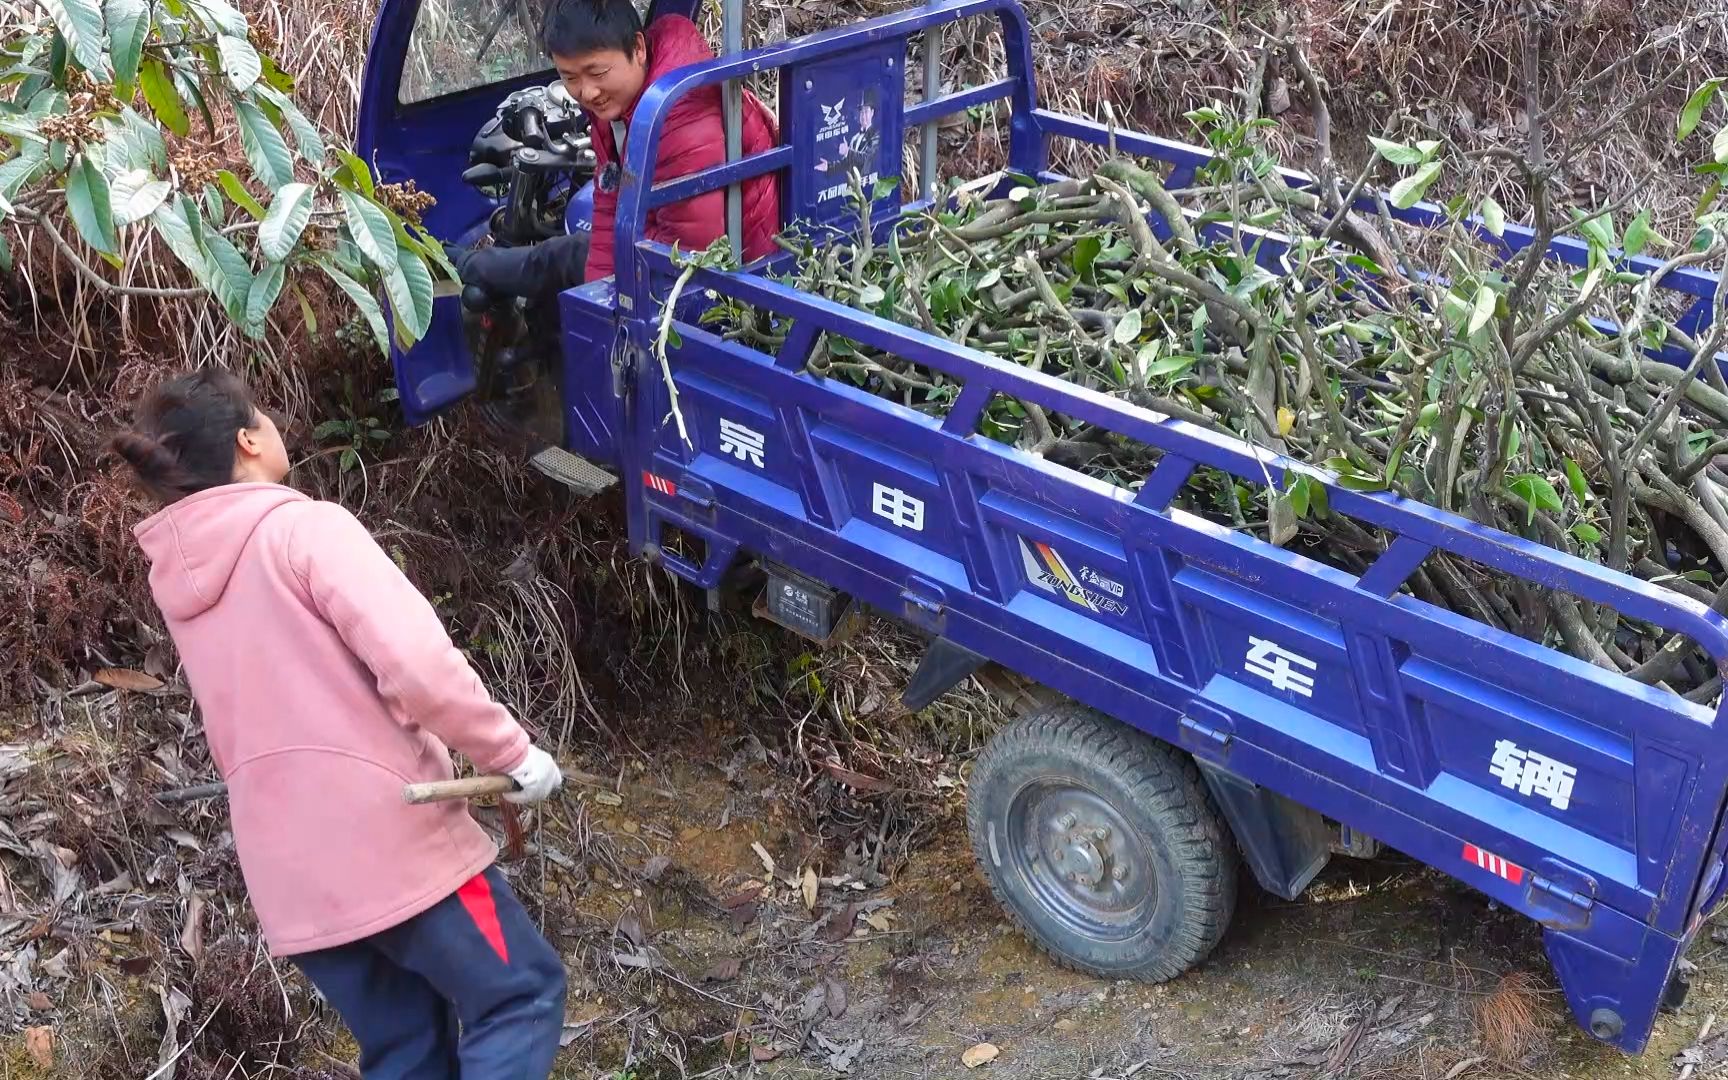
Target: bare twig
x=88 y=273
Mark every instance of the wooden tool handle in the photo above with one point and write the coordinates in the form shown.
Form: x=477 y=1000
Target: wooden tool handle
x=444 y=790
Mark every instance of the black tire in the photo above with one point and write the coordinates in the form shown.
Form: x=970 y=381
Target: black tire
x=1102 y=845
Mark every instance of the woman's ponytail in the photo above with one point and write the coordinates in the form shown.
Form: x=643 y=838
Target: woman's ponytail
x=182 y=440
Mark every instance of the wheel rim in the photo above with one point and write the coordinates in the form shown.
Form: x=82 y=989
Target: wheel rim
x=1075 y=853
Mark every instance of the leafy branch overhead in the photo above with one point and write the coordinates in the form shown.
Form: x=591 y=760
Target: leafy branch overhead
x=126 y=119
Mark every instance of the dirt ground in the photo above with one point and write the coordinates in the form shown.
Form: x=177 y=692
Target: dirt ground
x=732 y=903
x=1383 y=968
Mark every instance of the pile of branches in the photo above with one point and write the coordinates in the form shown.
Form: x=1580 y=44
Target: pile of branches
x=1522 y=392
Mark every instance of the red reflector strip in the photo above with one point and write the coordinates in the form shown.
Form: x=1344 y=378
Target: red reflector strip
x=663 y=486
x=1494 y=864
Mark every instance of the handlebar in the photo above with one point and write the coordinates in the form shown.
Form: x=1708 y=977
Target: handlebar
x=484 y=174
x=532 y=126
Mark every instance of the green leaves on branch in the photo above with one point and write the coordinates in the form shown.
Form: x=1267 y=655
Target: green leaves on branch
x=1128 y=330
x=1576 y=481
x=190 y=68
x=1482 y=310
x=282 y=226
x=81 y=24
x=89 y=202
x=1537 y=494
x=235 y=189
x=174 y=223
x=1599 y=229
x=1690 y=117
x=1400 y=154
x=369 y=225
x=1693 y=111
x=266 y=151
x=307 y=138
x=361 y=298
x=221 y=15
x=261 y=297
x=240 y=61
x=231 y=277
x=135 y=195
x=163 y=98
x=21 y=170
x=128 y=25
x=354 y=175
x=1353 y=477
x=1305 y=495
x=1493 y=217
x=1410 y=190
x=410 y=290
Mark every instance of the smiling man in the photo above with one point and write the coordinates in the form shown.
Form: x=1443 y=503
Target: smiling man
x=606 y=59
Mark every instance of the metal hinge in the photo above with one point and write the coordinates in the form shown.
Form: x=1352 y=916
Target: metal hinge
x=1563 y=895
x=1560 y=907
x=1206 y=730
x=696 y=492
x=1194 y=731
x=926 y=596
x=924 y=604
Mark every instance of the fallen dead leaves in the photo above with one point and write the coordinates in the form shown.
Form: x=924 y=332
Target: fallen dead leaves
x=809 y=886
x=767 y=859
x=724 y=969
x=742 y=907
x=834 y=997
x=840 y=1055
x=192 y=935
x=39 y=1041
x=125 y=679
x=175 y=1007
x=841 y=924
x=857 y=781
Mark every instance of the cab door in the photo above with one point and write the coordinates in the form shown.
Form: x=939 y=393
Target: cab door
x=436 y=71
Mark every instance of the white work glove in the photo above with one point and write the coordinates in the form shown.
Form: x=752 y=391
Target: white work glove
x=538 y=777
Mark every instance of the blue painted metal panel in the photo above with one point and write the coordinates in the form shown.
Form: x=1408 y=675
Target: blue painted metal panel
x=593 y=415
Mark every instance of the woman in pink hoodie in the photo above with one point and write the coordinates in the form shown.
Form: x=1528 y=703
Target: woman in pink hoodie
x=327 y=683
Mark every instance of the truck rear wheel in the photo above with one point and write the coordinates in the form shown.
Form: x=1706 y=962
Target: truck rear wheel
x=1102 y=845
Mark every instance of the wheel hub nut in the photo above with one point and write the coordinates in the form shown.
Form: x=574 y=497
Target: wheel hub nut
x=1102 y=832
x=1087 y=865
x=1119 y=872
x=1066 y=821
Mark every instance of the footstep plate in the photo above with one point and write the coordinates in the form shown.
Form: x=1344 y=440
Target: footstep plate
x=578 y=474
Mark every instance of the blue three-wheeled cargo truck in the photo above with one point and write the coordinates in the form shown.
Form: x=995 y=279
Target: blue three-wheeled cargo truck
x=1215 y=700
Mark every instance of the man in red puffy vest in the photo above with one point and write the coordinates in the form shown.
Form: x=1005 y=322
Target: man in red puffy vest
x=606 y=59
